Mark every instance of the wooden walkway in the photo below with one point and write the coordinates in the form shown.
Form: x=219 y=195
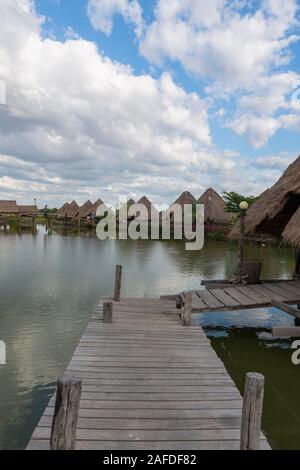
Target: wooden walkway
x=237 y=297
x=149 y=383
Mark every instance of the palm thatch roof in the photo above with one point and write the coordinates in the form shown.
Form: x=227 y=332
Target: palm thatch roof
x=185 y=198
x=126 y=208
x=69 y=210
x=27 y=210
x=8 y=207
x=275 y=211
x=86 y=209
x=152 y=211
x=214 y=208
x=291 y=233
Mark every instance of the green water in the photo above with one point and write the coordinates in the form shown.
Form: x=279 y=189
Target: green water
x=49 y=286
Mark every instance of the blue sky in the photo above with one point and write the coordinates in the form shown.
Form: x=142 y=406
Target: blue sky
x=142 y=97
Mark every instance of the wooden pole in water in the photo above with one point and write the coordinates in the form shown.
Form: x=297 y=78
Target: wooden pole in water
x=241 y=246
x=186 y=318
x=118 y=282
x=108 y=312
x=252 y=411
x=63 y=432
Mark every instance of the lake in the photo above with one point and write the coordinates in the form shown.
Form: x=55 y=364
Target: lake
x=50 y=284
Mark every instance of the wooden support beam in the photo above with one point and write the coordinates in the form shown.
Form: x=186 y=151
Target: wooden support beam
x=64 y=424
x=186 y=317
x=252 y=411
x=108 y=311
x=118 y=282
x=286 y=331
x=286 y=308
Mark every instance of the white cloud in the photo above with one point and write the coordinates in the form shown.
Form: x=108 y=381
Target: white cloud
x=79 y=125
x=102 y=12
x=224 y=41
x=257 y=129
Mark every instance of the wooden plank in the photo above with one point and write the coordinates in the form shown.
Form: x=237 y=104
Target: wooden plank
x=209 y=299
x=252 y=294
x=286 y=331
x=260 y=289
x=286 y=308
x=147 y=436
x=224 y=298
x=151 y=424
x=290 y=288
x=286 y=295
x=197 y=303
x=240 y=297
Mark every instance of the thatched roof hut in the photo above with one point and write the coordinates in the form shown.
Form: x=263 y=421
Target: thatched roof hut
x=153 y=213
x=185 y=198
x=276 y=212
x=69 y=210
x=126 y=207
x=86 y=210
x=291 y=233
x=8 y=207
x=28 y=210
x=214 y=208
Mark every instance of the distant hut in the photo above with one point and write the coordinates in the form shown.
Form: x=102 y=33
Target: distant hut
x=126 y=207
x=99 y=203
x=153 y=213
x=8 y=207
x=30 y=211
x=86 y=210
x=277 y=211
x=214 y=208
x=185 y=198
x=68 y=211
x=62 y=210
x=74 y=209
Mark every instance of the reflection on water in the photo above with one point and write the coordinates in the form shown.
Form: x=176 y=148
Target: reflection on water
x=244 y=343
x=49 y=286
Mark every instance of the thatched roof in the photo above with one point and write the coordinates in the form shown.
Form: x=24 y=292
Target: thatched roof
x=152 y=211
x=214 y=207
x=86 y=209
x=8 y=207
x=27 y=210
x=69 y=210
x=274 y=210
x=185 y=198
x=291 y=233
x=99 y=203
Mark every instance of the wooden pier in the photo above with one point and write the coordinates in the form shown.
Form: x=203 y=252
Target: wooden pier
x=149 y=383
x=240 y=297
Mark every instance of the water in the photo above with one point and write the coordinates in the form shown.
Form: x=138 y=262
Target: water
x=49 y=285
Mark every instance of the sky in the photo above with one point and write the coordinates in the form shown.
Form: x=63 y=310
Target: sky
x=101 y=98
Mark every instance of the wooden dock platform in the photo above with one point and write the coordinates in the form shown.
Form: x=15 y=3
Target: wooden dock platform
x=238 y=297
x=149 y=383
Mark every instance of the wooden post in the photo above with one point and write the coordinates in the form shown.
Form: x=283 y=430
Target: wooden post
x=241 y=246
x=108 y=312
x=186 y=318
x=252 y=411
x=297 y=259
x=118 y=281
x=63 y=432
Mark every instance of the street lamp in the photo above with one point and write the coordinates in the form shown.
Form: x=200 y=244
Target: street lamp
x=243 y=207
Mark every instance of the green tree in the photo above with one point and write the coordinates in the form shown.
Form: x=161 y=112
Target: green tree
x=233 y=201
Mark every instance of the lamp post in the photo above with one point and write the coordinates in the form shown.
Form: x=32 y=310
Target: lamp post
x=243 y=207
